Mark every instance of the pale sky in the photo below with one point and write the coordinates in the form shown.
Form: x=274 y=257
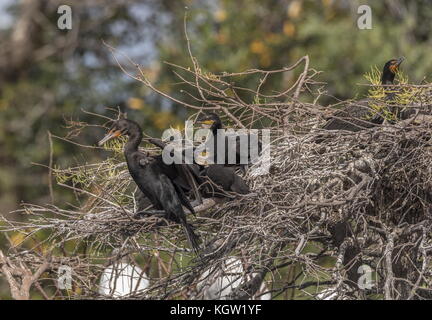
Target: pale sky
x=5 y=18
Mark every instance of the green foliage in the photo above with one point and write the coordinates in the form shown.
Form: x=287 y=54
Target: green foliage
x=374 y=77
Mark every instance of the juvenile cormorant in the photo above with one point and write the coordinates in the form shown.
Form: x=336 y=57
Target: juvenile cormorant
x=223 y=179
x=212 y=122
x=152 y=178
x=357 y=116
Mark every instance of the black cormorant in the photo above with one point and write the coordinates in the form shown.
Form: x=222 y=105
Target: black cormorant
x=357 y=116
x=152 y=178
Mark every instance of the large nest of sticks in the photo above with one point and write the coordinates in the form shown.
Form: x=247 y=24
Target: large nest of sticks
x=340 y=215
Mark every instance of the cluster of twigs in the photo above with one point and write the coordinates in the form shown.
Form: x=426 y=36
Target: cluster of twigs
x=331 y=203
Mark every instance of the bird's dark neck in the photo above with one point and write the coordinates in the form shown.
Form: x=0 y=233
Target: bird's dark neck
x=387 y=82
x=135 y=138
x=215 y=127
x=387 y=78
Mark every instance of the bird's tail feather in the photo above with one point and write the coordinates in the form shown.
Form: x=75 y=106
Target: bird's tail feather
x=191 y=237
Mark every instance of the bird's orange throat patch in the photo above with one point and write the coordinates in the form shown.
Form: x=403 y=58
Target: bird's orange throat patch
x=115 y=133
x=393 y=68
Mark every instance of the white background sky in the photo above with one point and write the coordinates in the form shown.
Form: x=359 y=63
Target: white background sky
x=5 y=18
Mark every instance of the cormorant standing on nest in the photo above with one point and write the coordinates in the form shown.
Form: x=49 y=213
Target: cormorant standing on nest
x=213 y=122
x=355 y=116
x=152 y=177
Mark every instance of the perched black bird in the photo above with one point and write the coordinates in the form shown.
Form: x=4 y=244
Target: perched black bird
x=222 y=179
x=390 y=69
x=232 y=142
x=357 y=116
x=153 y=177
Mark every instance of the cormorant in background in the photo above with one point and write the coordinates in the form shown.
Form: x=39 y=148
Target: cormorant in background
x=355 y=116
x=152 y=177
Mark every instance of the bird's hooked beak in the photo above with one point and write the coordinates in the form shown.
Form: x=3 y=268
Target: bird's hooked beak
x=110 y=135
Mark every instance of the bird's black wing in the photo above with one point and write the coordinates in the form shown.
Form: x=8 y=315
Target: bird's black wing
x=163 y=194
x=171 y=203
x=183 y=198
x=179 y=174
x=187 y=175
